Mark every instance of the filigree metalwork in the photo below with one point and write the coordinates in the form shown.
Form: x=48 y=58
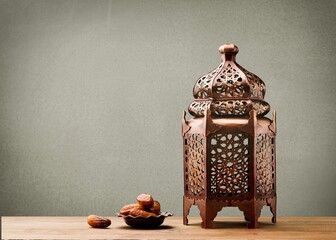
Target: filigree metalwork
x=202 y=88
x=229 y=83
x=194 y=163
x=257 y=86
x=265 y=169
x=197 y=108
x=262 y=108
x=229 y=170
x=231 y=107
x=234 y=107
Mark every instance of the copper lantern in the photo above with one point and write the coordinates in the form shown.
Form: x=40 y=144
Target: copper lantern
x=229 y=146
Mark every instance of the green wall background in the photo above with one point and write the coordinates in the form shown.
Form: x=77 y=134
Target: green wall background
x=92 y=93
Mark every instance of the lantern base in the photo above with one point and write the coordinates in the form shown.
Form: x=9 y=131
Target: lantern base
x=210 y=207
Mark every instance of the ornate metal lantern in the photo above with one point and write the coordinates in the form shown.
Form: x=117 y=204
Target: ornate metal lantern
x=229 y=146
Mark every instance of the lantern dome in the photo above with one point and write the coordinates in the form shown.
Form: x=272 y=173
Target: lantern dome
x=229 y=90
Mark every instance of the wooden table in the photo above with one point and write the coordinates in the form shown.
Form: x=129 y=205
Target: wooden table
x=172 y=228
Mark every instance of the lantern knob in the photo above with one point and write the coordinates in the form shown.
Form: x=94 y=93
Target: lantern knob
x=228 y=49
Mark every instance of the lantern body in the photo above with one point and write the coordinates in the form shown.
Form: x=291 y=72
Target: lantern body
x=229 y=147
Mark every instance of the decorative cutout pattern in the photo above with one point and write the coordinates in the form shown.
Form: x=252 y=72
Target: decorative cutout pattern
x=232 y=107
x=203 y=86
x=194 y=162
x=257 y=86
x=261 y=108
x=197 y=108
x=265 y=164
x=228 y=84
x=229 y=107
x=229 y=164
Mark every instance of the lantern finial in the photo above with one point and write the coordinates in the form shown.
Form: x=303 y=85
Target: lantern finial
x=228 y=48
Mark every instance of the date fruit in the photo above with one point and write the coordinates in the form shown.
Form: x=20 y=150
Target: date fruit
x=136 y=212
x=125 y=210
x=155 y=208
x=145 y=200
x=146 y=207
x=98 y=221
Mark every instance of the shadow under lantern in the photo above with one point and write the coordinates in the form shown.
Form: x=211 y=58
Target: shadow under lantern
x=229 y=146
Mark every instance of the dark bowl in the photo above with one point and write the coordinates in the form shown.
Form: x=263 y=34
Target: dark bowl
x=142 y=222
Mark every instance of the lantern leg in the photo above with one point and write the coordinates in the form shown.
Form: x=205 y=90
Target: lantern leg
x=252 y=211
x=187 y=203
x=272 y=203
x=208 y=211
x=253 y=220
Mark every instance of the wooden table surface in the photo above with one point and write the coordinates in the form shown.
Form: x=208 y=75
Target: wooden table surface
x=172 y=228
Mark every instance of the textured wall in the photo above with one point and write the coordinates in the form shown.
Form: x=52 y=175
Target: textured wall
x=92 y=92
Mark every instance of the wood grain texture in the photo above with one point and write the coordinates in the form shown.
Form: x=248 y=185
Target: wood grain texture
x=172 y=228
